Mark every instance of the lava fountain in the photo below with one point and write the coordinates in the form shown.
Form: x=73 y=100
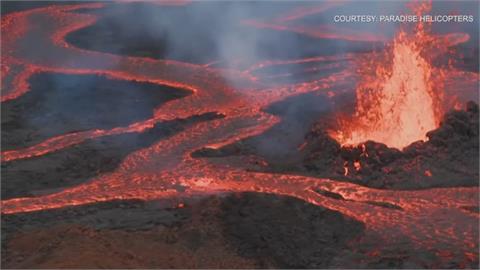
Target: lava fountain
x=399 y=94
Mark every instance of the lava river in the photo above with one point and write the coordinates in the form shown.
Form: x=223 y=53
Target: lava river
x=432 y=219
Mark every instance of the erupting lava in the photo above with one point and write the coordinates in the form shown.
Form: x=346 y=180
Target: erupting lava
x=399 y=101
x=396 y=104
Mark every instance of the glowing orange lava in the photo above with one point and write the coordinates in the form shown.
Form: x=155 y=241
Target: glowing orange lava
x=404 y=101
x=400 y=100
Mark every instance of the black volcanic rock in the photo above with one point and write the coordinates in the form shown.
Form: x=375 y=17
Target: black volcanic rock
x=59 y=103
x=459 y=128
x=323 y=151
x=268 y=230
x=286 y=232
x=449 y=158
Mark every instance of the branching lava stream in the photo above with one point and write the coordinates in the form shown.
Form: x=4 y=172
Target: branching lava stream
x=432 y=219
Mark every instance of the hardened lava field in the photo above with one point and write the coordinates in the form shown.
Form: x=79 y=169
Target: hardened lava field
x=206 y=134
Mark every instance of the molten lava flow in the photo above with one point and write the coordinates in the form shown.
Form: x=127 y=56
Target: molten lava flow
x=402 y=97
x=399 y=102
